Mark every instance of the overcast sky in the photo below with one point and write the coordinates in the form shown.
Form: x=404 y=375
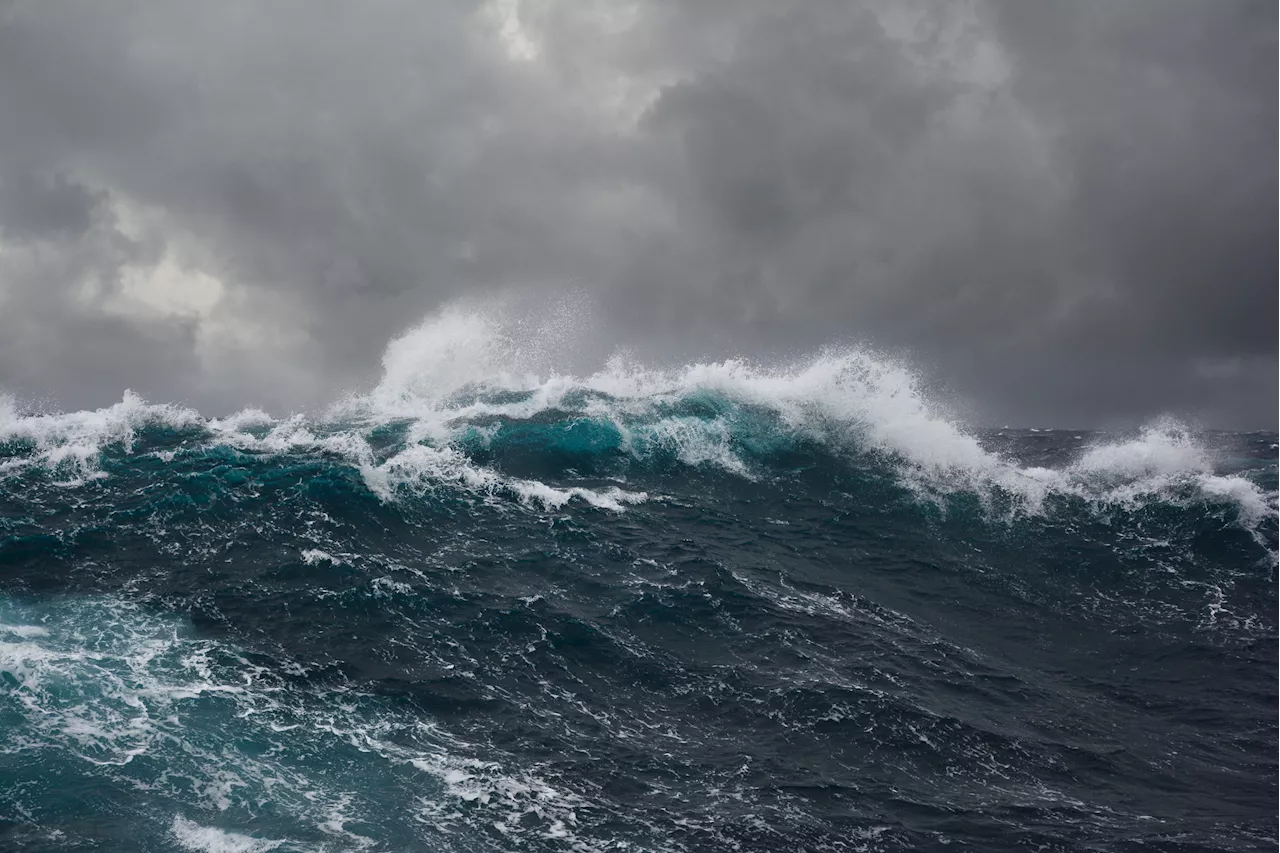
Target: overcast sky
x=1063 y=212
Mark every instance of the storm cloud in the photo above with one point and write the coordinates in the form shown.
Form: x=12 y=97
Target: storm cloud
x=1065 y=213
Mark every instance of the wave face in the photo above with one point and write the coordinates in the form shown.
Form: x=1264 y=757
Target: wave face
x=490 y=605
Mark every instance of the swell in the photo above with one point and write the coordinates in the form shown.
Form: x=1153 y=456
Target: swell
x=493 y=604
x=465 y=420
x=289 y=496
x=587 y=446
x=602 y=695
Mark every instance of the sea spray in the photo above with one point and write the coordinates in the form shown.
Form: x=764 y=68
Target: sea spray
x=504 y=600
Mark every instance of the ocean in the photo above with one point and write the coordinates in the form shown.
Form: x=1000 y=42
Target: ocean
x=490 y=605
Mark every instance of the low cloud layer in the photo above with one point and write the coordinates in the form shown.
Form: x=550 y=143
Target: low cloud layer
x=1064 y=213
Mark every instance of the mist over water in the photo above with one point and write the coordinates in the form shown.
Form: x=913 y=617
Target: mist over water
x=501 y=600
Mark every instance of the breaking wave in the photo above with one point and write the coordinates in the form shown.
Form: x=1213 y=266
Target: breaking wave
x=494 y=603
x=455 y=391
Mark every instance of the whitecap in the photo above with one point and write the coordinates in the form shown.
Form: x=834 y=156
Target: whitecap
x=208 y=839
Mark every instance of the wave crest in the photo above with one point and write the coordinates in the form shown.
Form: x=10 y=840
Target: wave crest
x=469 y=378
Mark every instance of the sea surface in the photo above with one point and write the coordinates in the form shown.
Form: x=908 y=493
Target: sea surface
x=489 y=606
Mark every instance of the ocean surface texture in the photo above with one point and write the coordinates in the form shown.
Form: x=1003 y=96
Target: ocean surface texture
x=493 y=606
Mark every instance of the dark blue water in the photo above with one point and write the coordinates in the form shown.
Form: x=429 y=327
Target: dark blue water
x=747 y=612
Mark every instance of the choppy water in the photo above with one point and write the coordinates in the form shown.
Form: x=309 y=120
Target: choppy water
x=711 y=608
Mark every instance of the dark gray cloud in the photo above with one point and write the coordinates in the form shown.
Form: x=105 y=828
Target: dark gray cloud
x=1062 y=212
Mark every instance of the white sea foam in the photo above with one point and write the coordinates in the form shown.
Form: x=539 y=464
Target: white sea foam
x=848 y=398
x=24 y=630
x=74 y=440
x=420 y=468
x=314 y=556
x=207 y=839
x=102 y=680
x=466 y=364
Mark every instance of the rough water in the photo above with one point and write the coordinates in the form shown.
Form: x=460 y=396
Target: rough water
x=492 y=606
